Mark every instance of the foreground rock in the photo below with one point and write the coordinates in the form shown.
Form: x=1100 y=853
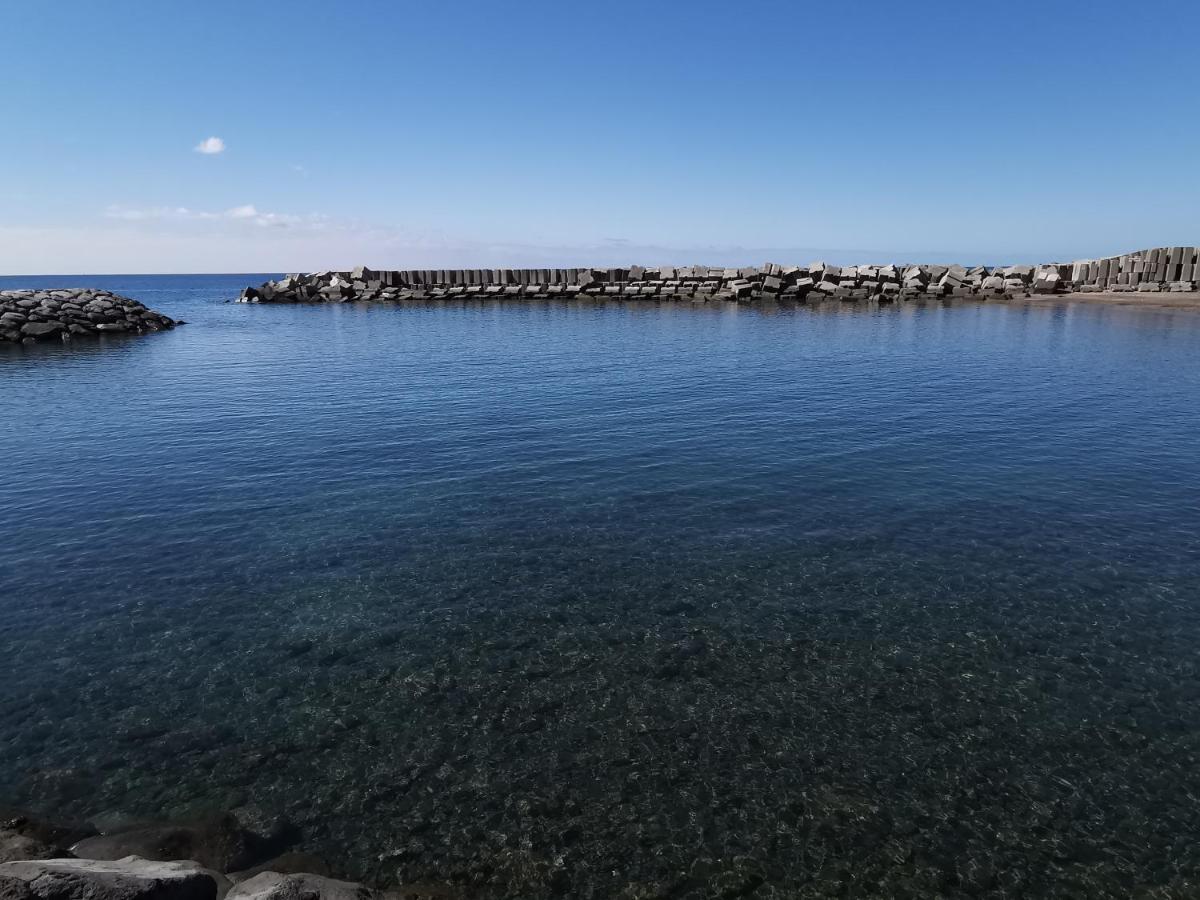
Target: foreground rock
x=290 y=863
x=131 y=878
x=61 y=315
x=1161 y=269
x=307 y=886
x=227 y=843
x=25 y=837
x=134 y=878
x=274 y=886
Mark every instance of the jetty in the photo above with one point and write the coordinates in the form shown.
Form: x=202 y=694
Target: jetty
x=1170 y=269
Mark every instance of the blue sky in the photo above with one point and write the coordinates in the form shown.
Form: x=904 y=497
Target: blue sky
x=472 y=134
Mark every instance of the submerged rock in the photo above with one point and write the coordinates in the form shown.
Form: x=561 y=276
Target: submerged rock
x=25 y=837
x=293 y=863
x=275 y=886
x=15 y=846
x=220 y=843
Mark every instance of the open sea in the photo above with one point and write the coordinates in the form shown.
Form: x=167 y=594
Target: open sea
x=613 y=600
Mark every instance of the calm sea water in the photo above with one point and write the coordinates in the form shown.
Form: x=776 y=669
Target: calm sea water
x=619 y=601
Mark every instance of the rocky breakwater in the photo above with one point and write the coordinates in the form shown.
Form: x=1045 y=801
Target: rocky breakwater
x=1159 y=269
x=770 y=282
x=60 y=315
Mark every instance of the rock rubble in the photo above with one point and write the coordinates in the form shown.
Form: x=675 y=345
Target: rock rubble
x=195 y=861
x=31 y=317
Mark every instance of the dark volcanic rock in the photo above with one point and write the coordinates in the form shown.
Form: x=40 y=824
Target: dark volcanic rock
x=275 y=886
x=220 y=843
x=41 y=329
x=285 y=864
x=23 y=836
x=18 y=846
x=34 y=316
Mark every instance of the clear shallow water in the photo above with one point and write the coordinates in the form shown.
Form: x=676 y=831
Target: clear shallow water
x=611 y=600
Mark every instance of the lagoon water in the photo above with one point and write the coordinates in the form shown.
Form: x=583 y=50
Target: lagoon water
x=619 y=600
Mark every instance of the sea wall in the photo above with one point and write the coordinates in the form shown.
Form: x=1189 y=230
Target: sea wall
x=61 y=315
x=1164 y=268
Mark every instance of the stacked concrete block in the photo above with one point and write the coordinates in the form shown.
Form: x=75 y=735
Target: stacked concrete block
x=1169 y=268
x=1147 y=270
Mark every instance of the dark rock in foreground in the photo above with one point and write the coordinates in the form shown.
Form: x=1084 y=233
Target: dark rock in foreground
x=274 y=886
x=125 y=879
x=291 y=863
x=61 y=315
x=135 y=878
x=25 y=837
x=227 y=856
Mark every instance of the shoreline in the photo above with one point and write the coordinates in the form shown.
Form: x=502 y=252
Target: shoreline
x=1181 y=300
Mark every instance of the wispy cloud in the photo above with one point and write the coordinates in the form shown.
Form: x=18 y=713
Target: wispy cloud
x=247 y=213
x=210 y=146
x=155 y=212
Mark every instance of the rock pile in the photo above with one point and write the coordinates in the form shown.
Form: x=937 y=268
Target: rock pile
x=207 y=860
x=135 y=878
x=60 y=315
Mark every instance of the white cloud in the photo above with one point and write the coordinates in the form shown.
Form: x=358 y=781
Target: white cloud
x=156 y=212
x=210 y=146
x=247 y=213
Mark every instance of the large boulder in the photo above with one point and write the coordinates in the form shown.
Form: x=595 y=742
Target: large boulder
x=220 y=843
x=14 y=846
x=291 y=863
x=41 y=329
x=124 y=879
x=23 y=836
x=275 y=886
